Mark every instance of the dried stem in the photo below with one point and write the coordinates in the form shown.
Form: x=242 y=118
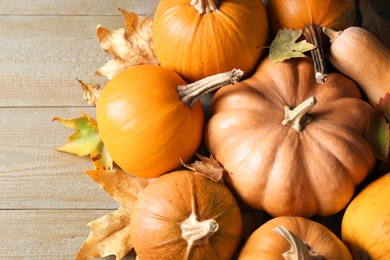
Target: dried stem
x=312 y=34
x=190 y=93
x=299 y=250
x=297 y=117
x=332 y=34
x=205 y=6
x=197 y=232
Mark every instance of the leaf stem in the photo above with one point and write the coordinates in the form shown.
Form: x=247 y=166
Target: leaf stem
x=297 y=117
x=312 y=34
x=190 y=93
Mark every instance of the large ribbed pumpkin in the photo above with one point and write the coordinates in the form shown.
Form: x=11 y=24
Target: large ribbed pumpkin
x=208 y=37
x=293 y=146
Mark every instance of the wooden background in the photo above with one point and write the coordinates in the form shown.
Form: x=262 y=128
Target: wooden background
x=45 y=198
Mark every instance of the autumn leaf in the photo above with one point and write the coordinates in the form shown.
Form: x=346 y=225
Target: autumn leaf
x=91 y=92
x=208 y=167
x=284 y=45
x=378 y=130
x=110 y=234
x=128 y=49
x=86 y=141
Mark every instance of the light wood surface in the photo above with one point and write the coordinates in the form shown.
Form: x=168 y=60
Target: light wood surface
x=46 y=200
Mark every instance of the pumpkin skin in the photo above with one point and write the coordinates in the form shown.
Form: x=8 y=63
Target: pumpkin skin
x=369 y=71
x=296 y=14
x=277 y=169
x=169 y=201
x=365 y=226
x=266 y=244
x=197 y=45
x=144 y=125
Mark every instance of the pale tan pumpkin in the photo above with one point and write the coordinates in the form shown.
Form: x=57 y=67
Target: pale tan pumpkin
x=288 y=161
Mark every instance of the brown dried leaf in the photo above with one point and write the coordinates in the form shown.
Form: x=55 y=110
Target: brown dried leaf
x=128 y=49
x=208 y=167
x=91 y=92
x=373 y=23
x=110 y=234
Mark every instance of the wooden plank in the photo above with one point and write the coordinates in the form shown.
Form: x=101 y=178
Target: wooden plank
x=42 y=56
x=75 y=7
x=36 y=176
x=45 y=234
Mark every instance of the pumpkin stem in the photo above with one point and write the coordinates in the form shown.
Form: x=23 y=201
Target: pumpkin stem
x=332 y=34
x=190 y=93
x=196 y=232
x=299 y=250
x=297 y=117
x=205 y=6
x=312 y=34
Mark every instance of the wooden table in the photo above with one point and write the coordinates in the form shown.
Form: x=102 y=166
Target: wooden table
x=45 y=198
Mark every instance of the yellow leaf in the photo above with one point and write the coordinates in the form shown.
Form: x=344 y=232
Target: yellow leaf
x=284 y=46
x=91 y=92
x=128 y=49
x=110 y=234
x=86 y=141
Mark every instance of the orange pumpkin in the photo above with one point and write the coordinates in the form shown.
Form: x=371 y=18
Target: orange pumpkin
x=288 y=152
x=208 y=36
x=149 y=118
x=365 y=225
x=285 y=238
x=184 y=215
x=310 y=16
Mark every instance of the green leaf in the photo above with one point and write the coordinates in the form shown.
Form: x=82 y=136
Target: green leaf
x=378 y=134
x=284 y=46
x=86 y=141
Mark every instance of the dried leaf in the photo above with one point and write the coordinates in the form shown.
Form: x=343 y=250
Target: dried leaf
x=373 y=23
x=86 y=141
x=378 y=131
x=284 y=45
x=128 y=49
x=110 y=234
x=208 y=167
x=91 y=92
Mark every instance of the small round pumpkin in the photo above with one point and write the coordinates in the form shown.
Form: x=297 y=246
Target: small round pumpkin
x=184 y=215
x=205 y=37
x=286 y=238
x=365 y=227
x=150 y=119
x=292 y=146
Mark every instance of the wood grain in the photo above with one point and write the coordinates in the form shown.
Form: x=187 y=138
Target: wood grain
x=46 y=200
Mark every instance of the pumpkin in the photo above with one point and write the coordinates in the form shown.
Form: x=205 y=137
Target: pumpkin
x=293 y=238
x=310 y=16
x=200 y=38
x=150 y=119
x=184 y=215
x=292 y=146
x=370 y=62
x=365 y=226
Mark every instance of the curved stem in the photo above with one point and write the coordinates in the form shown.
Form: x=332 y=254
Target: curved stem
x=312 y=34
x=332 y=34
x=196 y=232
x=190 y=93
x=297 y=117
x=205 y=6
x=299 y=250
